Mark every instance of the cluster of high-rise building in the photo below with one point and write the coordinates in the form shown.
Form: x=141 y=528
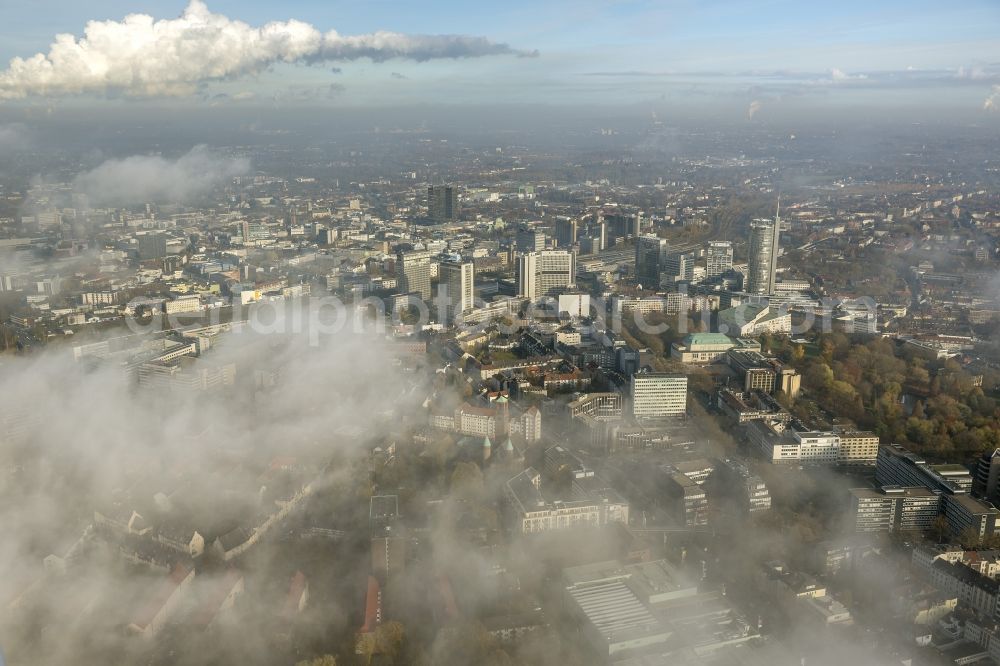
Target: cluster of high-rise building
x=658 y=266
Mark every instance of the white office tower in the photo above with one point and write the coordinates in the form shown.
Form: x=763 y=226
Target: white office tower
x=545 y=273
x=413 y=273
x=659 y=394
x=455 y=289
x=719 y=258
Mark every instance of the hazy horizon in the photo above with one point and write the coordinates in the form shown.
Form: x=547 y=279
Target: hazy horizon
x=759 y=59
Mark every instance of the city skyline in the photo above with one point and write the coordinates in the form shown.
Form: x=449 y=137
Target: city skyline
x=592 y=333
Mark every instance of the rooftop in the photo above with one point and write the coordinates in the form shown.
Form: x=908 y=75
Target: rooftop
x=708 y=339
x=973 y=505
x=614 y=609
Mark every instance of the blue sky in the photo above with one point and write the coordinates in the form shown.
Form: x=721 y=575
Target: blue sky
x=940 y=53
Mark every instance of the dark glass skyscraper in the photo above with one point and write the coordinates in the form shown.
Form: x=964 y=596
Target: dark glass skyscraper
x=441 y=203
x=650 y=260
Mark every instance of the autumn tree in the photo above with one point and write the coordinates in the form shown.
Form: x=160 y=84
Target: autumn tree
x=939 y=529
x=467 y=480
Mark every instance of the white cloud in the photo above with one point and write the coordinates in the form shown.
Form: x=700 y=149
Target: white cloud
x=992 y=102
x=142 y=56
x=332 y=400
x=840 y=75
x=143 y=178
x=979 y=72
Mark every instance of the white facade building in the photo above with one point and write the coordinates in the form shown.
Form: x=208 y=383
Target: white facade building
x=779 y=444
x=545 y=273
x=659 y=394
x=456 y=289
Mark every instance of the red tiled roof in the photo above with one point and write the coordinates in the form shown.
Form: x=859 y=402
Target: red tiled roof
x=373 y=606
x=295 y=590
x=282 y=462
x=159 y=599
x=466 y=408
x=448 y=597
x=215 y=596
